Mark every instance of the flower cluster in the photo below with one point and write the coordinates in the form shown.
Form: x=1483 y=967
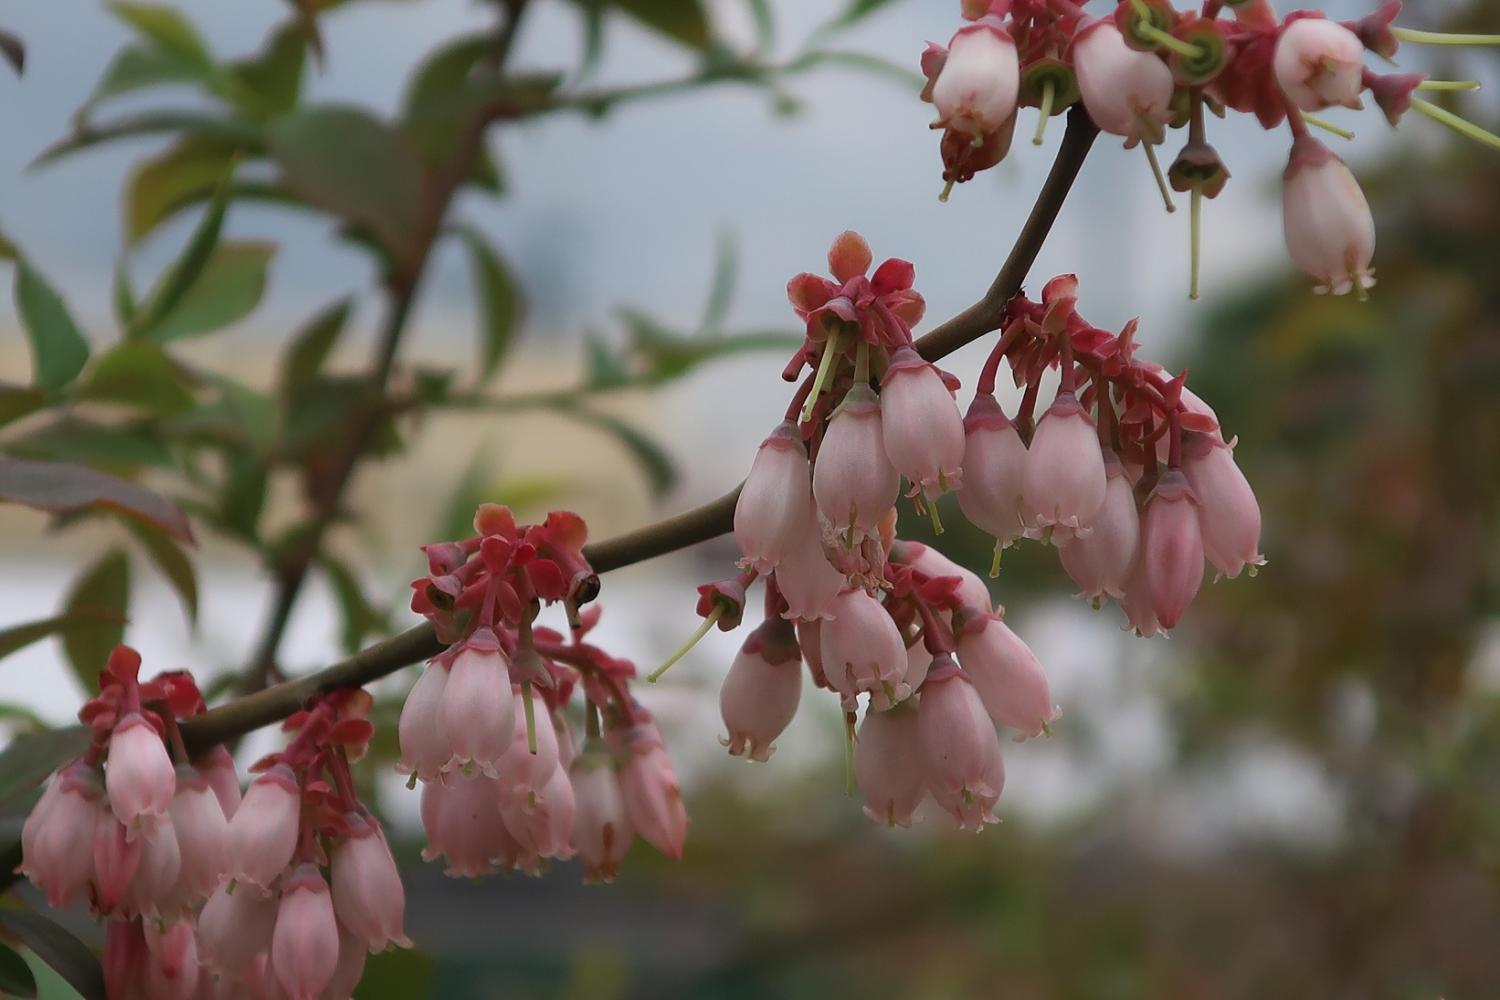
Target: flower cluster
x=485 y=727
x=1126 y=473
x=1148 y=67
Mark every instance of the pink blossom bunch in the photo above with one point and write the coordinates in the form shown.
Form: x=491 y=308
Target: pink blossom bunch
x=485 y=727
x=1148 y=67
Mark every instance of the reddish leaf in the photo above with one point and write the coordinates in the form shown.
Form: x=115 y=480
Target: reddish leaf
x=60 y=487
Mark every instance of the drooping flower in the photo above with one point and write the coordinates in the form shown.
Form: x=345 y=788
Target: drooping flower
x=1330 y=232
x=138 y=776
x=653 y=798
x=1127 y=92
x=776 y=503
x=601 y=829
x=759 y=696
x=424 y=740
x=263 y=832
x=305 y=943
x=888 y=765
x=854 y=482
x=233 y=928
x=1100 y=561
x=57 y=839
x=1172 y=547
x=921 y=425
x=202 y=836
x=1319 y=64
x=477 y=709
x=994 y=460
x=1063 y=481
x=807 y=580
x=368 y=897
x=1006 y=675
x=975 y=91
x=960 y=749
x=1228 y=513
x=463 y=825
x=862 y=650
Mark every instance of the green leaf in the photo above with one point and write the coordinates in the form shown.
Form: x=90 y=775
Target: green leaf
x=135 y=68
x=225 y=291
x=166 y=29
x=21 y=718
x=444 y=72
x=112 y=446
x=58 y=349
x=69 y=956
x=173 y=563
x=721 y=291
x=499 y=298
x=605 y=371
x=310 y=346
x=153 y=123
x=184 y=272
x=360 y=617
x=269 y=83
x=141 y=375
x=765 y=25
x=243 y=496
x=15 y=975
x=14 y=51
x=684 y=21
x=854 y=12
x=61 y=487
x=123 y=296
x=186 y=172
x=18 y=401
x=18 y=637
x=30 y=757
x=344 y=161
x=655 y=462
x=874 y=65
x=102 y=591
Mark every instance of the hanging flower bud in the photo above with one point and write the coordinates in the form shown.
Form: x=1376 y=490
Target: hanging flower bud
x=1329 y=229
x=653 y=799
x=463 y=825
x=523 y=773
x=233 y=928
x=350 y=968
x=424 y=740
x=477 y=710
x=1137 y=600
x=923 y=431
x=863 y=650
x=807 y=580
x=217 y=767
x=994 y=458
x=125 y=959
x=888 y=765
x=601 y=830
x=139 y=775
x=305 y=944
x=776 y=501
x=57 y=840
x=1172 y=548
x=854 y=482
x=1100 y=562
x=567 y=748
x=115 y=860
x=202 y=837
x=760 y=692
x=960 y=750
x=543 y=826
x=1063 y=481
x=976 y=89
x=1006 y=675
x=150 y=893
x=263 y=833
x=1319 y=64
x=1127 y=92
x=368 y=897
x=171 y=968
x=1227 y=510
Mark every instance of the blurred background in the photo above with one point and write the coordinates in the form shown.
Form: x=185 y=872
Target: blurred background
x=1297 y=794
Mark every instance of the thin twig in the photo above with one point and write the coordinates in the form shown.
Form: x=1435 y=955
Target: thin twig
x=681 y=530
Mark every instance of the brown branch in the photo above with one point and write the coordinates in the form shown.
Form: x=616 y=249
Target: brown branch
x=681 y=530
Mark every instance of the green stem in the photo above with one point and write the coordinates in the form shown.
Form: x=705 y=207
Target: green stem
x=1448 y=85
x=1161 y=179
x=1327 y=126
x=1196 y=239
x=702 y=630
x=825 y=368
x=1456 y=123
x=849 y=784
x=1443 y=38
x=1049 y=92
x=1167 y=40
x=530 y=709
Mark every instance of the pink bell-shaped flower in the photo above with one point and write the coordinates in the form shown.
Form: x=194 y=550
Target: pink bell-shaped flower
x=233 y=928
x=139 y=776
x=305 y=943
x=368 y=897
x=776 y=503
x=1100 y=561
x=1063 y=482
x=477 y=709
x=424 y=740
x=523 y=773
x=1228 y=513
x=350 y=969
x=923 y=430
x=863 y=650
x=976 y=90
x=1137 y=605
x=994 y=459
x=1006 y=675
x=217 y=768
x=918 y=662
x=1127 y=92
x=1319 y=64
x=151 y=892
x=57 y=839
x=1172 y=547
x=1330 y=232
x=807 y=580
x=601 y=829
x=116 y=858
x=202 y=837
x=653 y=798
x=543 y=825
x=960 y=749
x=463 y=825
x=888 y=765
x=854 y=482
x=263 y=832
x=171 y=969
x=759 y=696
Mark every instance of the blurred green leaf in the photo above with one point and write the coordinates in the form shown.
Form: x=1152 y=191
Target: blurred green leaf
x=15 y=975
x=721 y=290
x=58 y=349
x=135 y=68
x=655 y=462
x=684 y=21
x=499 y=299
x=444 y=72
x=360 y=618
x=21 y=718
x=103 y=592
x=138 y=374
x=269 y=83
x=185 y=172
x=457 y=517
x=604 y=369
x=226 y=290
x=110 y=446
x=180 y=277
x=166 y=28
x=173 y=563
x=765 y=25
x=14 y=51
x=60 y=487
x=86 y=136
x=18 y=637
x=62 y=951
x=243 y=496
x=122 y=296
x=904 y=77
x=348 y=163
x=17 y=401
x=30 y=757
x=310 y=346
x=853 y=12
